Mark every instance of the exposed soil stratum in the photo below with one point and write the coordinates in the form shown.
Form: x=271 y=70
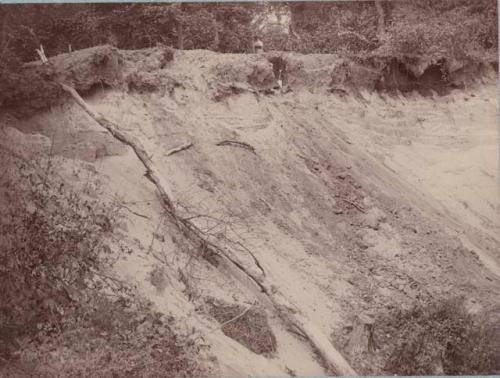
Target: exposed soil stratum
x=346 y=200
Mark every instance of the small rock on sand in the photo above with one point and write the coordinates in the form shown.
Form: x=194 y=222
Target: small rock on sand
x=374 y=217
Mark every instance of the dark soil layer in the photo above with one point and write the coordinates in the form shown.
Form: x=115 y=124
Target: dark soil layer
x=35 y=87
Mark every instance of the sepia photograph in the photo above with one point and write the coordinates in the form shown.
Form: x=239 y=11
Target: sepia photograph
x=249 y=189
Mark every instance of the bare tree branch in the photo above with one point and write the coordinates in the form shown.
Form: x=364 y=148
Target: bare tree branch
x=178 y=149
x=236 y=144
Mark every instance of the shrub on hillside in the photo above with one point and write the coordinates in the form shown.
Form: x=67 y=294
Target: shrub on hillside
x=51 y=239
x=115 y=338
x=440 y=338
x=60 y=313
x=459 y=32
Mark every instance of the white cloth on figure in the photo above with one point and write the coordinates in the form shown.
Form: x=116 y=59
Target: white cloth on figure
x=258 y=45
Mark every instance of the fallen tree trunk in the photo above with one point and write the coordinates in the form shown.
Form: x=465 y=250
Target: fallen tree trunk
x=324 y=347
x=151 y=172
x=316 y=338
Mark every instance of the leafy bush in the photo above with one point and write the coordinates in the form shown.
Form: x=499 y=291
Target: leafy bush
x=455 y=29
x=450 y=30
x=116 y=338
x=440 y=338
x=60 y=315
x=327 y=27
x=51 y=239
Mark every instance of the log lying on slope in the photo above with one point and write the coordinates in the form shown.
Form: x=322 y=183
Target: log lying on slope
x=316 y=338
x=151 y=172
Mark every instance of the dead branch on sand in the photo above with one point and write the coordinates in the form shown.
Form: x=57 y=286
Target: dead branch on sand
x=179 y=149
x=151 y=172
x=353 y=204
x=236 y=144
x=133 y=212
x=41 y=54
x=318 y=340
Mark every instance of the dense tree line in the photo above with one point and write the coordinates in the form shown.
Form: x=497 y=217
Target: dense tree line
x=62 y=27
x=458 y=28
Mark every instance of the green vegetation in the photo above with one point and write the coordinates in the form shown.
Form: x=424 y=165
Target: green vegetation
x=60 y=313
x=51 y=240
x=449 y=28
x=61 y=27
x=440 y=338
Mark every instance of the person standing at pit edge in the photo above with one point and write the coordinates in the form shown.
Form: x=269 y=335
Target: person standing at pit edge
x=258 y=45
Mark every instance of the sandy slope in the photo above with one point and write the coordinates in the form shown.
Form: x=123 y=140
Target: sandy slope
x=447 y=149
x=348 y=206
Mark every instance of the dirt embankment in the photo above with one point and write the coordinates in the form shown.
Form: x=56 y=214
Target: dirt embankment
x=329 y=193
x=35 y=87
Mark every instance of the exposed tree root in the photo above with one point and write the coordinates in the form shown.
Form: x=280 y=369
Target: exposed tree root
x=256 y=261
x=134 y=212
x=179 y=149
x=352 y=203
x=236 y=144
x=315 y=337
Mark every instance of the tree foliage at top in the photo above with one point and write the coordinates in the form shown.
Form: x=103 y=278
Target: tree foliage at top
x=327 y=27
x=440 y=338
x=457 y=29
x=451 y=28
x=60 y=28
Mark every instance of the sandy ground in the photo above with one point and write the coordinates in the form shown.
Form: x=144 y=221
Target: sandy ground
x=350 y=207
x=446 y=148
